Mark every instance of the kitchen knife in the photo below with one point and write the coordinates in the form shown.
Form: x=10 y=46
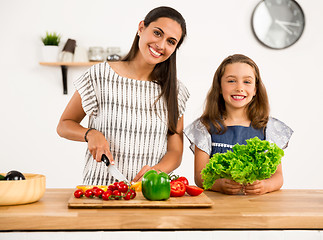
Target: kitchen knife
x=113 y=170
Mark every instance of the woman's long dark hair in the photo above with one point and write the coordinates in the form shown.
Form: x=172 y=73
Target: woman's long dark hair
x=164 y=73
x=257 y=109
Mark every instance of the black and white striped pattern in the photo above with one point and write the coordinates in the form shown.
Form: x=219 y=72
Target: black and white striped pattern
x=123 y=110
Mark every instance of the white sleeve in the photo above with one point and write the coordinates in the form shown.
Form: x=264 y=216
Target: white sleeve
x=85 y=87
x=278 y=132
x=198 y=136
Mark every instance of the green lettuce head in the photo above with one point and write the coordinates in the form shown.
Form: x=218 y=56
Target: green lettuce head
x=257 y=160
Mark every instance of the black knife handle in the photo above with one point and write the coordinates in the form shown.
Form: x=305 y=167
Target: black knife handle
x=105 y=159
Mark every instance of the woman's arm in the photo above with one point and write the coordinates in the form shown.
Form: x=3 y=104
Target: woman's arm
x=223 y=185
x=275 y=182
x=69 y=124
x=69 y=127
x=173 y=157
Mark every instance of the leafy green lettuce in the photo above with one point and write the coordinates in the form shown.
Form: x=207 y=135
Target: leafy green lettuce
x=257 y=160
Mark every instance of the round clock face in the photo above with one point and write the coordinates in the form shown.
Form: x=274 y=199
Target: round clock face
x=278 y=24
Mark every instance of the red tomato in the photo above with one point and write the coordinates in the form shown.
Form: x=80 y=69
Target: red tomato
x=133 y=194
x=116 y=194
x=127 y=196
x=111 y=187
x=193 y=190
x=177 y=178
x=123 y=187
x=177 y=189
x=183 y=180
x=109 y=191
x=98 y=192
x=89 y=193
x=106 y=195
x=78 y=193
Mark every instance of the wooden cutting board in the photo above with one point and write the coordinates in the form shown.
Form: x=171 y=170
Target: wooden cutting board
x=201 y=201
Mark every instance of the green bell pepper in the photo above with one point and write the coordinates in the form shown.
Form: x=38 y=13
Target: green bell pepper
x=155 y=186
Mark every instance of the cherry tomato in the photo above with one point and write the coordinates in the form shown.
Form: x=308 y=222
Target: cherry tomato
x=109 y=191
x=89 y=193
x=116 y=194
x=127 y=196
x=123 y=187
x=193 y=190
x=133 y=194
x=97 y=192
x=106 y=195
x=177 y=189
x=111 y=187
x=78 y=193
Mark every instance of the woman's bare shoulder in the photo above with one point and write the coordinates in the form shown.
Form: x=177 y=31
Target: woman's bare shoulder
x=119 y=67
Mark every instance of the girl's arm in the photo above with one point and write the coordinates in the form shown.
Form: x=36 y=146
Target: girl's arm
x=275 y=182
x=201 y=158
x=221 y=185
x=173 y=157
x=69 y=127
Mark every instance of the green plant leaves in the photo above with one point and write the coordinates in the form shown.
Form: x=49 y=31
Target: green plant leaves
x=51 y=39
x=257 y=160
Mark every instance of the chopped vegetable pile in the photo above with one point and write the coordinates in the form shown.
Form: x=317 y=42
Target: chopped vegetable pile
x=257 y=160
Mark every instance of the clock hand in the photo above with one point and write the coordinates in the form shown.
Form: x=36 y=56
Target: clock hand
x=294 y=24
x=284 y=27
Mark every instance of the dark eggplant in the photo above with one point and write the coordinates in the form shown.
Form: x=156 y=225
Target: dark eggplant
x=14 y=175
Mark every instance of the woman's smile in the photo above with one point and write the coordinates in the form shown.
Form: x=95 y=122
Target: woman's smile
x=154 y=52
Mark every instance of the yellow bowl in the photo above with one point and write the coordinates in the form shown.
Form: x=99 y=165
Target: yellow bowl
x=13 y=192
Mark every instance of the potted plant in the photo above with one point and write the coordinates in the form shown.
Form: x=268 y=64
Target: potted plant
x=50 y=48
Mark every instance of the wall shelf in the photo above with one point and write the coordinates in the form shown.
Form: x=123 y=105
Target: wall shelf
x=64 y=66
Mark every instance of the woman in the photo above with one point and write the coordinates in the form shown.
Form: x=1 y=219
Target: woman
x=135 y=106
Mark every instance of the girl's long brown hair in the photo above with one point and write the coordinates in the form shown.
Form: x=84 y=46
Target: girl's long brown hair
x=257 y=109
x=164 y=73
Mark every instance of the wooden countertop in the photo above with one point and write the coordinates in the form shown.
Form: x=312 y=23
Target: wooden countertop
x=284 y=209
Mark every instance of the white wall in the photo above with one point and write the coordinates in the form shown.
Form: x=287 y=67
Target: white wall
x=32 y=99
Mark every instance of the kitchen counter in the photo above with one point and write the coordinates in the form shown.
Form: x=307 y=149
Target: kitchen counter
x=284 y=209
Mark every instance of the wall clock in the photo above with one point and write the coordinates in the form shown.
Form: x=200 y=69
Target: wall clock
x=278 y=24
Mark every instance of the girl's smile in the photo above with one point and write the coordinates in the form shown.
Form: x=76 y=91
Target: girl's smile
x=238 y=97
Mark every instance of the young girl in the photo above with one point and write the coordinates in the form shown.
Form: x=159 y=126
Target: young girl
x=135 y=106
x=236 y=109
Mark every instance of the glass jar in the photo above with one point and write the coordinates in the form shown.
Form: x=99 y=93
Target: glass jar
x=113 y=54
x=96 y=54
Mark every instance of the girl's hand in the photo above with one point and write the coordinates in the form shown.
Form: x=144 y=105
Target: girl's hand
x=98 y=145
x=256 y=188
x=230 y=187
x=141 y=173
